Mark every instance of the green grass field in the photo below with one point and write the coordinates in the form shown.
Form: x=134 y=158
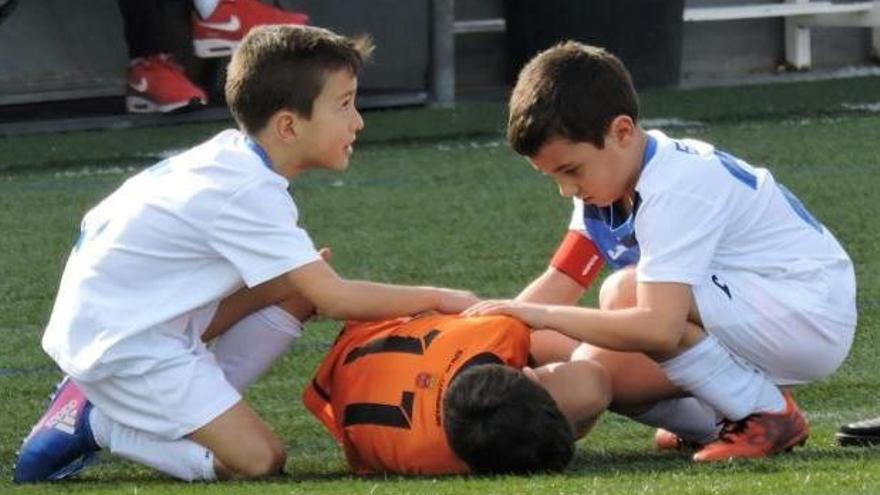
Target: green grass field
x=434 y=196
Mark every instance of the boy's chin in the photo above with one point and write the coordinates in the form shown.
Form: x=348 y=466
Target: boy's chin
x=336 y=166
x=597 y=202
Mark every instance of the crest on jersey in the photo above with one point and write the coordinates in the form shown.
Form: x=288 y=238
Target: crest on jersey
x=425 y=380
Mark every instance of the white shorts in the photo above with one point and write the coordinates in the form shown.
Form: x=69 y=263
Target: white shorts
x=777 y=326
x=174 y=385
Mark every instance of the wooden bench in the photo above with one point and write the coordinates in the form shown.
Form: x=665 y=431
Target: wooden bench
x=799 y=16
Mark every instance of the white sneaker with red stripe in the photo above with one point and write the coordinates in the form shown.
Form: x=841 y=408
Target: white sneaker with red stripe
x=219 y=34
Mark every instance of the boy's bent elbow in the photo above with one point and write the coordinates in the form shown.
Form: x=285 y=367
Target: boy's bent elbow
x=607 y=394
x=324 y=289
x=335 y=310
x=601 y=397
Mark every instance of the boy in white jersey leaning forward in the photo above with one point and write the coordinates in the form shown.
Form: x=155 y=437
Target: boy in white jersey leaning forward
x=205 y=246
x=724 y=279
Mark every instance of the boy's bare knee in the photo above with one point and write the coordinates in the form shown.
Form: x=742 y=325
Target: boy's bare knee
x=243 y=446
x=618 y=291
x=268 y=460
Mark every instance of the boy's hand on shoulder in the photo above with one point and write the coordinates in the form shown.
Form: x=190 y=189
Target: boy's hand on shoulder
x=530 y=313
x=454 y=301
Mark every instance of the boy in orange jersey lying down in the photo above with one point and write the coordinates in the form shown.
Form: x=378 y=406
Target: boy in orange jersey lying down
x=442 y=394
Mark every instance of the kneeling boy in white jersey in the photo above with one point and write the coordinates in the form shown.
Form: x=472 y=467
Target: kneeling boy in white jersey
x=202 y=242
x=725 y=279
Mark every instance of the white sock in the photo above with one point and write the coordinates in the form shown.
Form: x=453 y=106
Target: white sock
x=710 y=372
x=248 y=349
x=687 y=417
x=182 y=459
x=206 y=7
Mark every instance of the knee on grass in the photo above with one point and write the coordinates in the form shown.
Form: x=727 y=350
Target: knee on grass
x=267 y=460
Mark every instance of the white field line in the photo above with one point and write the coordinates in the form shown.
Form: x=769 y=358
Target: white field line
x=95 y=171
x=864 y=107
x=673 y=122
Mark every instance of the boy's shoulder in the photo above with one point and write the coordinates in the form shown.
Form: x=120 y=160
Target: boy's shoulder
x=219 y=170
x=226 y=156
x=677 y=163
x=677 y=149
x=226 y=141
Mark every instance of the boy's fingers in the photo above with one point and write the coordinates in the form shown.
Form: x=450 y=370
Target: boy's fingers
x=454 y=301
x=483 y=308
x=475 y=309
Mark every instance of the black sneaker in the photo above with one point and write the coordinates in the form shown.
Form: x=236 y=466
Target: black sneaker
x=865 y=432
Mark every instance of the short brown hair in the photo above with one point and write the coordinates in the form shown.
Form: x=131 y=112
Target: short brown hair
x=570 y=91
x=285 y=67
x=499 y=421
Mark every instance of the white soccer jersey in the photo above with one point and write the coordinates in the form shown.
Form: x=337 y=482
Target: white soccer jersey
x=701 y=210
x=174 y=238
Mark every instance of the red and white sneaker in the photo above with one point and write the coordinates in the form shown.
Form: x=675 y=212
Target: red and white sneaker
x=220 y=33
x=157 y=84
x=758 y=435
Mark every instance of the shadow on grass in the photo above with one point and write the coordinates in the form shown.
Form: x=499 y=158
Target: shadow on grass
x=109 y=475
x=616 y=463
x=597 y=463
x=637 y=462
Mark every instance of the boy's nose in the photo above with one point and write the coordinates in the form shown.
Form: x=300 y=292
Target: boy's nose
x=567 y=190
x=358 y=121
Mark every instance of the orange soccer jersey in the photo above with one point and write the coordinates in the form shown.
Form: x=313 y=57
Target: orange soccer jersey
x=379 y=391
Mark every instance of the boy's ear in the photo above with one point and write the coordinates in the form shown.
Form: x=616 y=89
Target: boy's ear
x=622 y=128
x=285 y=125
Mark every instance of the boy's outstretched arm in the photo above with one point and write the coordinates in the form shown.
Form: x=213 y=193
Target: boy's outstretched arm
x=572 y=270
x=656 y=325
x=339 y=298
x=552 y=287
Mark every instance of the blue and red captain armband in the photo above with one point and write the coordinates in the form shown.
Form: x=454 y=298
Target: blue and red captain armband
x=579 y=258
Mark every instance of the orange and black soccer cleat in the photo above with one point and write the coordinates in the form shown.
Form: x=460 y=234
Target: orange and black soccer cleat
x=758 y=435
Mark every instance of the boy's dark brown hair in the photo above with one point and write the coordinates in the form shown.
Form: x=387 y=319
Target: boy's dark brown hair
x=571 y=91
x=499 y=421
x=284 y=68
